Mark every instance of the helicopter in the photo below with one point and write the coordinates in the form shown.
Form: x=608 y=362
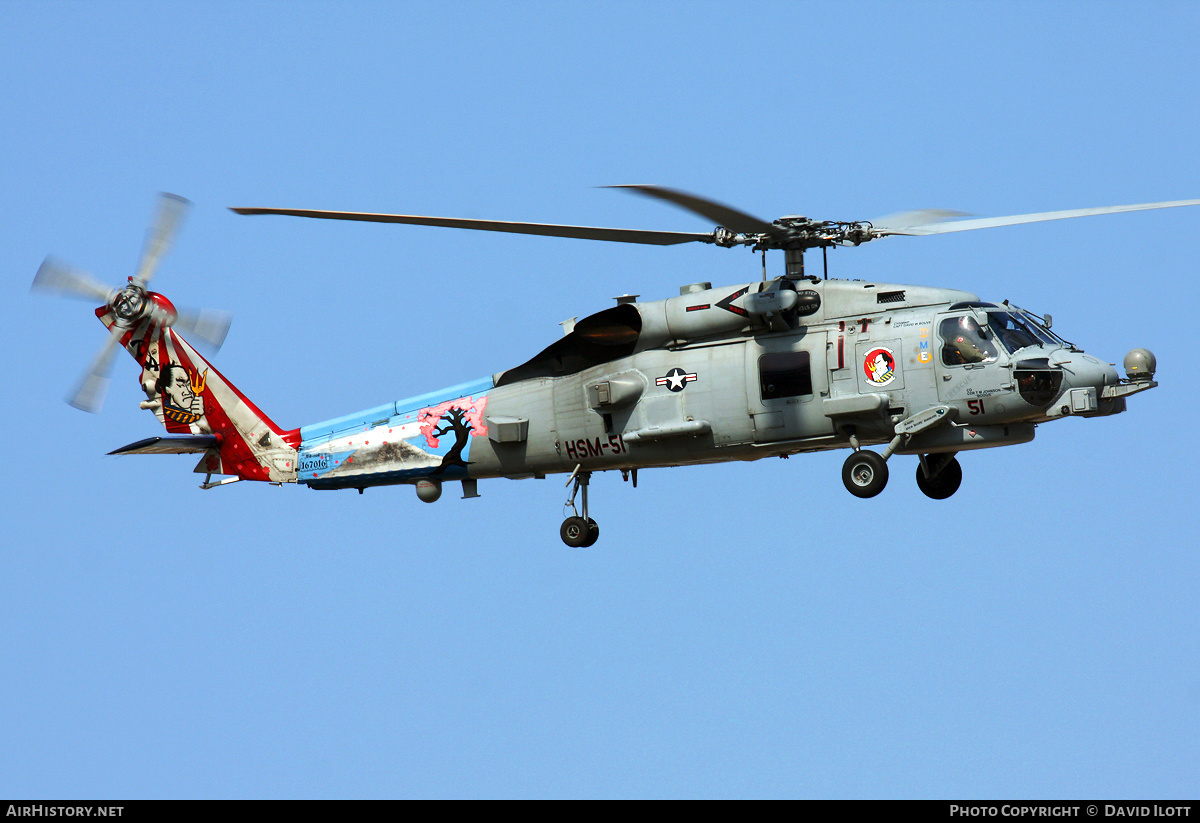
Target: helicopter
x=786 y=365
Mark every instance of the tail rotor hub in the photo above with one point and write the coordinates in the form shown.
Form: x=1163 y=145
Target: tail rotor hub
x=129 y=304
x=133 y=304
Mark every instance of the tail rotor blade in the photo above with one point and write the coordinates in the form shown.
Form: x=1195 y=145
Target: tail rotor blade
x=89 y=394
x=207 y=325
x=61 y=280
x=171 y=210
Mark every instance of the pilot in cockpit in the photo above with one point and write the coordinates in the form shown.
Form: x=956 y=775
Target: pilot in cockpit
x=965 y=342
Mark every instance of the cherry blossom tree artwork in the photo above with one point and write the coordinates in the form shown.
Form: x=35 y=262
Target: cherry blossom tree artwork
x=462 y=417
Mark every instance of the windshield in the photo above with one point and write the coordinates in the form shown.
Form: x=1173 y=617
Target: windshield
x=1015 y=332
x=1039 y=327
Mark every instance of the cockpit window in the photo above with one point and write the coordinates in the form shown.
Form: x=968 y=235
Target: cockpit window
x=964 y=342
x=1038 y=383
x=1039 y=328
x=1013 y=332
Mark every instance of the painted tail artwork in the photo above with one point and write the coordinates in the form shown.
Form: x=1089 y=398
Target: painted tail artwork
x=200 y=409
x=204 y=413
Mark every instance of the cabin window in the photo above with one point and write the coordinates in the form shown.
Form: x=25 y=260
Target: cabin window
x=784 y=374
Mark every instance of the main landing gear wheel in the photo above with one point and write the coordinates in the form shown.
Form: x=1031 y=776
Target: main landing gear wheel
x=865 y=473
x=579 y=533
x=944 y=483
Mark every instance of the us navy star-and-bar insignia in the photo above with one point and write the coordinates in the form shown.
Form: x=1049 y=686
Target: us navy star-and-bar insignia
x=676 y=379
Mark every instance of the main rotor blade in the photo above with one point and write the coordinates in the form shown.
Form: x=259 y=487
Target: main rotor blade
x=1012 y=220
x=912 y=219
x=161 y=235
x=651 y=238
x=89 y=392
x=57 y=278
x=718 y=213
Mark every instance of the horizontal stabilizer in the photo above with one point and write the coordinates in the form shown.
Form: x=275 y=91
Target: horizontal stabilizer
x=181 y=444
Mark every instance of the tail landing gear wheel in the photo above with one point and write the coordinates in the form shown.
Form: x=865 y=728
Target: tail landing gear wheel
x=943 y=484
x=579 y=533
x=865 y=473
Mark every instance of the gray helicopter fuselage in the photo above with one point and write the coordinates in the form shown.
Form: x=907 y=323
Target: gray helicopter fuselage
x=735 y=373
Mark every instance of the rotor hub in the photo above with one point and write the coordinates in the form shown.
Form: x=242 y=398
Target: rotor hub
x=129 y=304
x=133 y=304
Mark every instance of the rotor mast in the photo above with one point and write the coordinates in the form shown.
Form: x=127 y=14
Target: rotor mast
x=793 y=260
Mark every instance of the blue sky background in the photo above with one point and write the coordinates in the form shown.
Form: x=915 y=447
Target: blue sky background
x=739 y=630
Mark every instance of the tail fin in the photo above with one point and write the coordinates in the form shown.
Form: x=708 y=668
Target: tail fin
x=190 y=397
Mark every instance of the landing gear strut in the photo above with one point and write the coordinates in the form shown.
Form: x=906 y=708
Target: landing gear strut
x=579 y=531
